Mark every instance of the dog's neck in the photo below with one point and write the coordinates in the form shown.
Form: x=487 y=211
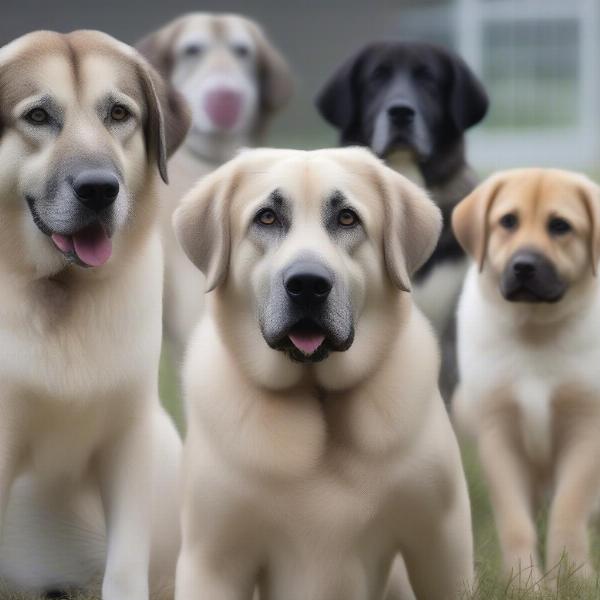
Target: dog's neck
x=443 y=165
x=215 y=148
x=448 y=177
x=405 y=163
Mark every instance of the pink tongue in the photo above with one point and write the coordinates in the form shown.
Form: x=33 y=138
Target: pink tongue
x=92 y=245
x=307 y=343
x=223 y=107
x=64 y=243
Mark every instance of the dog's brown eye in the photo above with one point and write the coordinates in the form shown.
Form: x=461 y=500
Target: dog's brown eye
x=347 y=218
x=509 y=221
x=37 y=116
x=119 y=113
x=266 y=217
x=558 y=226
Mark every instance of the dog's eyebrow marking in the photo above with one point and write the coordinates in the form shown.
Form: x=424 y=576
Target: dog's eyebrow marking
x=277 y=198
x=336 y=199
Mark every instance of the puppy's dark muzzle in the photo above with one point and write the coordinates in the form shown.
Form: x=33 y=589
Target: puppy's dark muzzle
x=307 y=284
x=530 y=276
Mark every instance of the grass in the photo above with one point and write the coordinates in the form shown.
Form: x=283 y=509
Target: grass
x=561 y=583
x=490 y=583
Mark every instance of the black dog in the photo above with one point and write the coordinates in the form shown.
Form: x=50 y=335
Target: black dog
x=411 y=104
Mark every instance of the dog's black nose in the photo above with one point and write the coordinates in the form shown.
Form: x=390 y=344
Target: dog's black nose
x=525 y=266
x=96 y=188
x=401 y=114
x=307 y=283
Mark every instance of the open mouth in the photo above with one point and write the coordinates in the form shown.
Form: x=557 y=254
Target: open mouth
x=89 y=247
x=306 y=337
x=304 y=342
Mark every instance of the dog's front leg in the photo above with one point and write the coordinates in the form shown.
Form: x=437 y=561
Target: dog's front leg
x=11 y=447
x=577 y=489
x=125 y=484
x=444 y=540
x=198 y=579
x=218 y=558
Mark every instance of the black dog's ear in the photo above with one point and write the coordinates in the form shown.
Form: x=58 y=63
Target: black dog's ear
x=337 y=101
x=468 y=100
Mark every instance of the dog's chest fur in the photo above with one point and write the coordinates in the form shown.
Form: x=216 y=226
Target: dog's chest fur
x=530 y=373
x=69 y=366
x=404 y=163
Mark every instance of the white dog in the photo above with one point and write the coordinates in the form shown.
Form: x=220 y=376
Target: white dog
x=319 y=448
x=234 y=81
x=85 y=123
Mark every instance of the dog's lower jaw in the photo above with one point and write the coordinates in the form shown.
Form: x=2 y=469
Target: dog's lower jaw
x=296 y=355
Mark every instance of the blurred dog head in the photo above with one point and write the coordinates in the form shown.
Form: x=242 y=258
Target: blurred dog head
x=536 y=231
x=83 y=123
x=394 y=96
x=306 y=252
x=230 y=74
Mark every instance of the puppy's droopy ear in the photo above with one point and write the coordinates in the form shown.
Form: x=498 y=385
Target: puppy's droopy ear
x=202 y=223
x=590 y=195
x=413 y=224
x=470 y=218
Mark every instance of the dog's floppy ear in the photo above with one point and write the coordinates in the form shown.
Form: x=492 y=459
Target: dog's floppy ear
x=590 y=195
x=471 y=215
x=413 y=224
x=468 y=100
x=275 y=77
x=202 y=223
x=157 y=48
x=167 y=120
x=337 y=101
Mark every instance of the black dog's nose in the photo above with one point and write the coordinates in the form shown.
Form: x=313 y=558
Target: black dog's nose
x=401 y=114
x=525 y=266
x=307 y=283
x=96 y=188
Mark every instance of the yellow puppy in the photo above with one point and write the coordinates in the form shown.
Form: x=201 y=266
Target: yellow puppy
x=529 y=351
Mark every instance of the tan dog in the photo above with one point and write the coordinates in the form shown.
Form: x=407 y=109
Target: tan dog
x=318 y=446
x=529 y=353
x=85 y=123
x=234 y=81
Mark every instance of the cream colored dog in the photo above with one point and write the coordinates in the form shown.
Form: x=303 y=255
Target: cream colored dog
x=529 y=353
x=318 y=447
x=84 y=124
x=234 y=81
